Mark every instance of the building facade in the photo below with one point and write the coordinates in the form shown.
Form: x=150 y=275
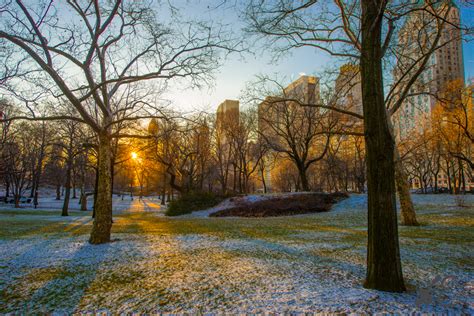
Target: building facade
x=444 y=66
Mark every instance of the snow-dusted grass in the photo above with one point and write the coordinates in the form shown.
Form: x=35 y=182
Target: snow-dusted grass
x=195 y=264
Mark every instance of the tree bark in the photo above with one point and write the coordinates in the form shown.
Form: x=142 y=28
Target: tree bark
x=163 y=195
x=303 y=179
x=96 y=186
x=103 y=205
x=58 y=192
x=7 y=188
x=68 y=188
x=384 y=271
x=83 y=200
x=407 y=210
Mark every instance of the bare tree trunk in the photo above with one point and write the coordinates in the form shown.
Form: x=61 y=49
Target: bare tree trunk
x=96 y=186
x=384 y=270
x=303 y=178
x=74 y=193
x=103 y=206
x=68 y=188
x=449 y=177
x=163 y=195
x=83 y=201
x=58 y=192
x=7 y=188
x=407 y=210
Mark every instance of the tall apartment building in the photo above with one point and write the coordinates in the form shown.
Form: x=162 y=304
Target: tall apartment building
x=227 y=115
x=348 y=89
x=305 y=89
x=444 y=66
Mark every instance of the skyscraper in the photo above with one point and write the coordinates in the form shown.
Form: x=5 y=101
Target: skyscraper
x=444 y=65
x=348 y=89
x=227 y=116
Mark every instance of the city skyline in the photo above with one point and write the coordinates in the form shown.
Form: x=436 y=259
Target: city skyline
x=236 y=72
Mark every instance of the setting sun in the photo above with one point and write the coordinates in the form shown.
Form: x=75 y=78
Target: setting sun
x=134 y=155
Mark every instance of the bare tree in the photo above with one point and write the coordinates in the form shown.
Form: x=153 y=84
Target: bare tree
x=249 y=148
x=5 y=110
x=71 y=140
x=422 y=29
x=363 y=33
x=17 y=157
x=302 y=134
x=107 y=46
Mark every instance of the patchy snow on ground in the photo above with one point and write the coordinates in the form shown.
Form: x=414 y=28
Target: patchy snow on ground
x=299 y=264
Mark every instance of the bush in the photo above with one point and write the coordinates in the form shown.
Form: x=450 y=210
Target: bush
x=192 y=201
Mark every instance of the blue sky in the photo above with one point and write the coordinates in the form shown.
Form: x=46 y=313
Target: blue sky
x=236 y=72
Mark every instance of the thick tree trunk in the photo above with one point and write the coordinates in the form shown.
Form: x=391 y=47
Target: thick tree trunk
x=384 y=271
x=303 y=177
x=103 y=205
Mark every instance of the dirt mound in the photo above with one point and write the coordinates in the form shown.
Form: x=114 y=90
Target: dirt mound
x=291 y=204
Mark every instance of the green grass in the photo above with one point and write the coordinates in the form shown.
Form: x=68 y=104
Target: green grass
x=321 y=240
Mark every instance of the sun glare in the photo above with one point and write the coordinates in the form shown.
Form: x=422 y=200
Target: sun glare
x=134 y=155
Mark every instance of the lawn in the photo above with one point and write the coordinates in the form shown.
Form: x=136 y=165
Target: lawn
x=196 y=264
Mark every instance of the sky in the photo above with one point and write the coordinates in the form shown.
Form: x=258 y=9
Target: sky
x=237 y=71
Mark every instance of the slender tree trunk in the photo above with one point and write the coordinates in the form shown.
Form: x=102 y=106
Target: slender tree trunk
x=83 y=200
x=384 y=270
x=74 y=193
x=448 y=174
x=58 y=192
x=407 y=210
x=7 y=189
x=263 y=181
x=103 y=205
x=462 y=178
x=17 y=200
x=33 y=182
x=163 y=195
x=68 y=189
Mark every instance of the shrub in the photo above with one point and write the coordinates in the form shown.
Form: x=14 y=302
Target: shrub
x=192 y=201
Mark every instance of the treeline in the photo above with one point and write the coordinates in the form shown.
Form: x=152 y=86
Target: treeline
x=438 y=154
